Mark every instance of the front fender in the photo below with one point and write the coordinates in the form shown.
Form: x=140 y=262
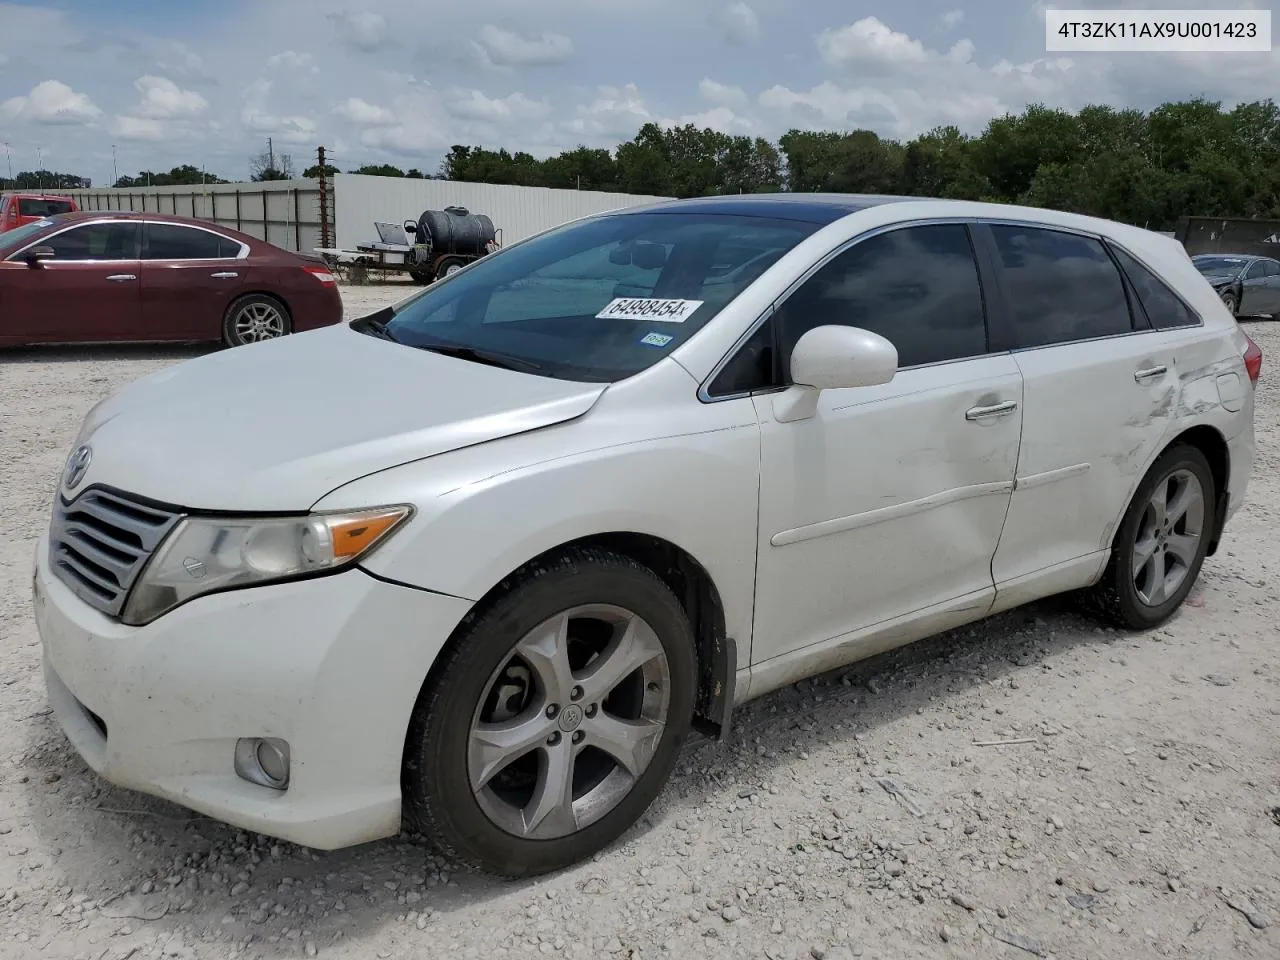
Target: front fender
x=485 y=511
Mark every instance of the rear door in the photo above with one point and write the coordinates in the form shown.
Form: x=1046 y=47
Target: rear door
x=190 y=275
x=88 y=291
x=1099 y=393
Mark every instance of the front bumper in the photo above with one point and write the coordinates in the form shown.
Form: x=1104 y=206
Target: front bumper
x=332 y=665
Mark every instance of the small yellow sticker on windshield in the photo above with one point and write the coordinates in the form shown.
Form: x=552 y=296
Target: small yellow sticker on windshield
x=643 y=308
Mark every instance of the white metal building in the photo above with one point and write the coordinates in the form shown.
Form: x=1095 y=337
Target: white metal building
x=287 y=212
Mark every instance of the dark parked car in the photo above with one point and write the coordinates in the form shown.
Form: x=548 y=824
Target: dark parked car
x=1248 y=285
x=120 y=276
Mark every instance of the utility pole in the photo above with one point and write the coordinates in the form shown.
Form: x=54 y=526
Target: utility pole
x=271 y=156
x=324 y=199
x=39 y=168
x=115 y=173
x=9 y=159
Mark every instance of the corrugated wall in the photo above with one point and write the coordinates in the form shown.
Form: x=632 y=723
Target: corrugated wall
x=283 y=212
x=518 y=212
x=287 y=212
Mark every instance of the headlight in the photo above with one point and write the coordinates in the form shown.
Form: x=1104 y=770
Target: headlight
x=206 y=554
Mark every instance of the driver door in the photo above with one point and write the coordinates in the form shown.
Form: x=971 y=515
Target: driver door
x=89 y=291
x=886 y=505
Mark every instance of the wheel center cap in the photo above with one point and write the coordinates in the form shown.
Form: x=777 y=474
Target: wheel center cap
x=570 y=718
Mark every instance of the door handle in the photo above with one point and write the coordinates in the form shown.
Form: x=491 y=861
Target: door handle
x=121 y=277
x=995 y=410
x=1150 y=373
x=224 y=275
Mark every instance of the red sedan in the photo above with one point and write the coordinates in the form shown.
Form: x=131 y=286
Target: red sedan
x=119 y=276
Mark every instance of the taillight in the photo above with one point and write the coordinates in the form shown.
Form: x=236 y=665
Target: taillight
x=322 y=274
x=1252 y=358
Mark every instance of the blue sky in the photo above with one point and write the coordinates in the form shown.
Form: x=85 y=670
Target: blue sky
x=401 y=80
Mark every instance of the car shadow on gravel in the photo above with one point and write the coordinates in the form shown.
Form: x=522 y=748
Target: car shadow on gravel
x=96 y=353
x=155 y=866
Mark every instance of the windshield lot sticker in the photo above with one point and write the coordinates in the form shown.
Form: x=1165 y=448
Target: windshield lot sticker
x=656 y=339
x=643 y=308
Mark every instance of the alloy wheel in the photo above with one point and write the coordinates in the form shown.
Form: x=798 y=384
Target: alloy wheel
x=569 y=722
x=1168 y=537
x=258 y=321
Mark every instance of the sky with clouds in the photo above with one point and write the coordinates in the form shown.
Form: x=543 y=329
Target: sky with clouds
x=399 y=81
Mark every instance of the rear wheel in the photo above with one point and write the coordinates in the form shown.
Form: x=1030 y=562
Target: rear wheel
x=1161 y=543
x=449 y=267
x=555 y=719
x=255 y=318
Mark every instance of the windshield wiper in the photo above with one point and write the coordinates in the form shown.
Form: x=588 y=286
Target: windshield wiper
x=489 y=357
x=376 y=324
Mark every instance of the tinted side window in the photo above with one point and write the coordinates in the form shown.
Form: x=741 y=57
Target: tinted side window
x=228 y=248
x=753 y=367
x=96 y=241
x=1061 y=287
x=168 y=241
x=1256 y=271
x=1161 y=305
x=917 y=287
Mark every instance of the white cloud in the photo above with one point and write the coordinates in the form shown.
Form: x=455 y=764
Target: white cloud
x=616 y=112
x=504 y=48
x=51 y=102
x=952 y=19
x=364 y=113
x=722 y=119
x=4 y=58
x=137 y=128
x=363 y=29
x=474 y=105
x=256 y=117
x=720 y=93
x=869 y=43
x=293 y=60
x=738 y=22
x=163 y=99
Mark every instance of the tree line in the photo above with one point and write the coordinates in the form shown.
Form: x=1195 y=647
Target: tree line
x=1148 y=168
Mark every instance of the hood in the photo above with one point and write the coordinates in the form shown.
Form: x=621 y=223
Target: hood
x=275 y=426
x=1219 y=279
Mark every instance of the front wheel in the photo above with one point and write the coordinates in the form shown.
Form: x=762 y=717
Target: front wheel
x=1231 y=303
x=1161 y=543
x=555 y=718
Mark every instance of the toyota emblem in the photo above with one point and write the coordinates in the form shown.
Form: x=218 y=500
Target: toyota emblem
x=77 y=466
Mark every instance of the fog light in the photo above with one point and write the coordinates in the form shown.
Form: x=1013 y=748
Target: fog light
x=264 y=761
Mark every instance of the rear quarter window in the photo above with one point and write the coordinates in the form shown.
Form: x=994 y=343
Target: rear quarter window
x=1163 y=307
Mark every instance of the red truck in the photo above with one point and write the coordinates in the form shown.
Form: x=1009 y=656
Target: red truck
x=17 y=209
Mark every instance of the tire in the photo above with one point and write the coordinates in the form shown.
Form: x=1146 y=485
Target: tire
x=496 y=825
x=448 y=268
x=255 y=318
x=1133 y=600
x=421 y=276
x=1229 y=301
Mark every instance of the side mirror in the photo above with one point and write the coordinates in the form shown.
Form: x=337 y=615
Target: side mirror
x=37 y=255
x=410 y=227
x=832 y=358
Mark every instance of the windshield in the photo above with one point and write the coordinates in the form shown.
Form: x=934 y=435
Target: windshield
x=1209 y=265
x=599 y=300
x=11 y=240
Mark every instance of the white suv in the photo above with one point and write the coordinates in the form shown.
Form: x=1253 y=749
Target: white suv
x=480 y=561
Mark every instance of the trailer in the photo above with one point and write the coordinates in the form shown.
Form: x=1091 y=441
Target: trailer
x=437 y=244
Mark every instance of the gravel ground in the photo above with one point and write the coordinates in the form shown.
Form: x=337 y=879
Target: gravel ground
x=863 y=814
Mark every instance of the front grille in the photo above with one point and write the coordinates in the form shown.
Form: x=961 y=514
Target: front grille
x=99 y=543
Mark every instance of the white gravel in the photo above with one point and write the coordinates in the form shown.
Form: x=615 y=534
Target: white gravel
x=1138 y=821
